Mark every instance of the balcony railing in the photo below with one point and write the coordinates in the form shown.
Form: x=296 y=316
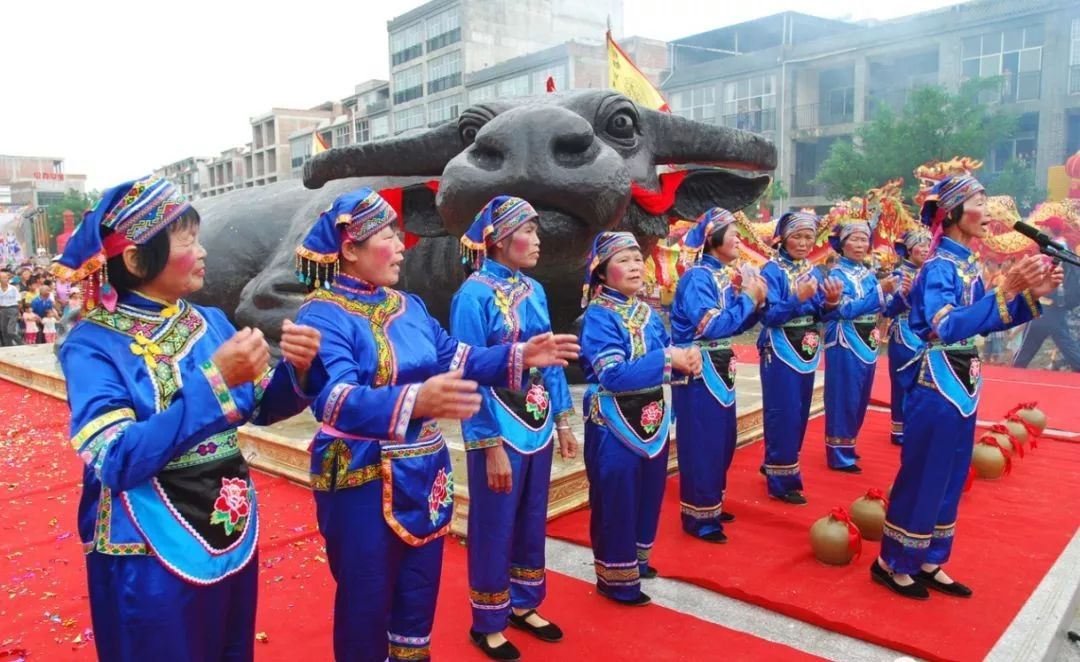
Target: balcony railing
x=758 y=121
x=813 y=115
x=1074 y=79
x=376 y=107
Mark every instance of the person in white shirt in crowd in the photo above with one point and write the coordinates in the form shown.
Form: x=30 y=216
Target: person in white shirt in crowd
x=9 y=311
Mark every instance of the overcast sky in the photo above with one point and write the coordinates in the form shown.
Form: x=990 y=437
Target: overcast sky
x=119 y=88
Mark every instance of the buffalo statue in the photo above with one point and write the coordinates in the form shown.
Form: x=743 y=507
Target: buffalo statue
x=583 y=159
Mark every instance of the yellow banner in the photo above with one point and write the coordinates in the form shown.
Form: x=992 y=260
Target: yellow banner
x=625 y=77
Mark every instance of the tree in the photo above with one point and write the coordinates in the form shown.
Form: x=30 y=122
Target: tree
x=73 y=200
x=933 y=124
x=1018 y=181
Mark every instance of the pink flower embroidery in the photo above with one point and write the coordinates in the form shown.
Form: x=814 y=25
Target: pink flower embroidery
x=232 y=505
x=731 y=368
x=875 y=338
x=810 y=342
x=651 y=416
x=536 y=402
x=442 y=494
x=975 y=371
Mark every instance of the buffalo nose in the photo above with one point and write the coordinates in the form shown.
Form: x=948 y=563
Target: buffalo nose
x=554 y=136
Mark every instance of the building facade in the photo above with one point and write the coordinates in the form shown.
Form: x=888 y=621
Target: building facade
x=434 y=47
x=190 y=175
x=225 y=172
x=807 y=82
x=35 y=180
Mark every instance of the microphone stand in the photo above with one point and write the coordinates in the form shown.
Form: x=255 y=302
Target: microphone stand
x=1060 y=255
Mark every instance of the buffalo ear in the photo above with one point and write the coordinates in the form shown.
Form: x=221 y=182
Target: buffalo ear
x=421 y=217
x=704 y=189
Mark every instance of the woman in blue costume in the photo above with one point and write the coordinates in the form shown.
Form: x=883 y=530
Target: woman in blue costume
x=627 y=358
x=508 y=442
x=385 y=373
x=798 y=298
x=157 y=389
x=913 y=248
x=851 y=344
x=709 y=308
x=950 y=306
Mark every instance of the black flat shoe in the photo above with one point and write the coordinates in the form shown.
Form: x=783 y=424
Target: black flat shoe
x=915 y=591
x=650 y=573
x=794 y=497
x=858 y=457
x=716 y=537
x=506 y=651
x=761 y=470
x=852 y=469
x=549 y=632
x=930 y=580
x=640 y=601
x=727 y=518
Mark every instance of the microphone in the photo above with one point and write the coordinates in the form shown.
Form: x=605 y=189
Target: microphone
x=1047 y=245
x=1032 y=233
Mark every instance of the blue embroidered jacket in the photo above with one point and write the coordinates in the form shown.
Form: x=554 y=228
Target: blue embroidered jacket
x=949 y=307
x=378 y=347
x=495 y=306
x=897 y=309
x=853 y=325
x=155 y=424
x=708 y=307
x=626 y=359
x=790 y=326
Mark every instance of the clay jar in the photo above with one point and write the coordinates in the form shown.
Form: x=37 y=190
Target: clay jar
x=868 y=513
x=1035 y=417
x=1004 y=441
x=1017 y=430
x=832 y=539
x=989 y=461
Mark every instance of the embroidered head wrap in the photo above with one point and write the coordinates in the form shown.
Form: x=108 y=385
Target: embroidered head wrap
x=706 y=226
x=606 y=245
x=356 y=215
x=947 y=195
x=129 y=214
x=845 y=230
x=910 y=239
x=495 y=222
x=793 y=221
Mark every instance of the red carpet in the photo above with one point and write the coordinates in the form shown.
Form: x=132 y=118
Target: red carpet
x=45 y=614
x=1010 y=532
x=1004 y=387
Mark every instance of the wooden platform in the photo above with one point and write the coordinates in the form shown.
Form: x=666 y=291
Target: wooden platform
x=281 y=449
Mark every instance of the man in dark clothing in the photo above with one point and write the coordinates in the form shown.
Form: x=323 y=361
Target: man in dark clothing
x=41 y=305
x=1056 y=307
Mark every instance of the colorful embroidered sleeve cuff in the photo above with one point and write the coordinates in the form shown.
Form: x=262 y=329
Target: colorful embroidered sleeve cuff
x=460 y=356
x=564 y=417
x=516 y=367
x=935 y=322
x=704 y=323
x=403 y=412
x=98 y=424
x=334 y=402
x=481 y=444
x=667 y=365
x=603 y=362
x=1033 y=305
x=221 y=392
x=94 y=438
x=1002 y=307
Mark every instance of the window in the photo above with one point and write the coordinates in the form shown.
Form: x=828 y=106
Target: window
x=750 y=104
x=1074 y=58
x=299 y=150
x=409 y=84
x=363 y=132
x=1021 y=146
x=1015 y=55
x=406 y=44
x=409 y=118
x=444 y=72
x=479 y=94
x=699 y=104
x=380 y=127
x=342 y=134
x=557 y=73
x=514 y=87
x=443 y=29
x=444 y=110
